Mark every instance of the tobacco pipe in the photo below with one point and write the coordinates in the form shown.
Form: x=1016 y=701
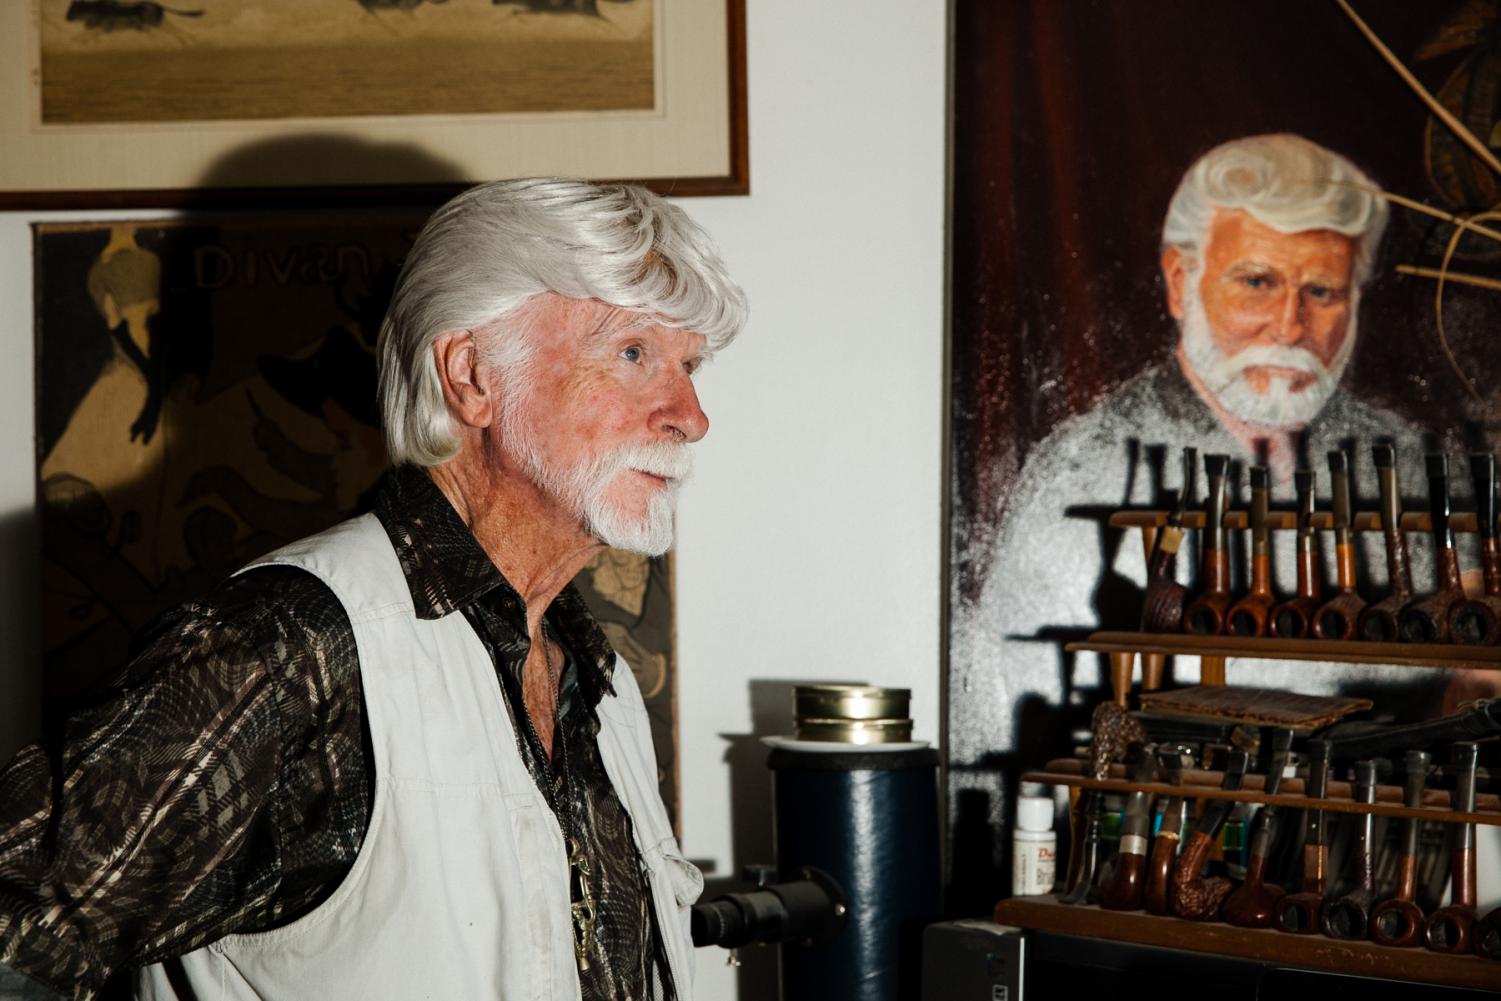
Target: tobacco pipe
x=1113 y=731
x=1189 y=894
x=1478 y=620
x=1247 y=617
x=1205 y=615
x=1361 y=740
x=1250 y=906
x=1448 y=929
x=1398 y=921
x=1172 y=760
x=1426 y=619
x=1336 y=618
x=1379 y=621
x=1162 y=608
x=1124 y=889
x=1291 y=619
x=1297 y=913
x=1347 y=916
x=1486 y=935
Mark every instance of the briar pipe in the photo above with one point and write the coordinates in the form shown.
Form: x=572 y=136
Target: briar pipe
x=1348 y=916
x=1486 y=935
x=1336 y=619
x=1426 y=619
x=1379 y=621
x=1162 y=609
x=1448 y=929
x=1172 y=760
x=1292 y=618
x=1478 y=620
x=1124 y=889
x=1298 y=913
x=1248 y=616
x=1398 y=921
x=1250 y=906
x=1205 y=615
x=1363 y=740
x=1189 y=894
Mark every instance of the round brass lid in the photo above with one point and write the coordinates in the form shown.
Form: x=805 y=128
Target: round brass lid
x=850 y=702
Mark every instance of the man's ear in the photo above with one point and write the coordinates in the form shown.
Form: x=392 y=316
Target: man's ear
x=467 y=388
x=1174 y=277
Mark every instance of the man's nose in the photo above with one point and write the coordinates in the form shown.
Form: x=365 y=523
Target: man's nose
x=1290 y=322
x=681 y=414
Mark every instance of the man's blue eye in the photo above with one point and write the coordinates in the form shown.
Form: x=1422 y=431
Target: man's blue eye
x=1318 y=291
x=631 y=354
x=1257 y=281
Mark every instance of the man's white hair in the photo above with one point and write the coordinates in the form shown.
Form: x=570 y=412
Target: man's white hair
x=487 y=252
x=1282 y=181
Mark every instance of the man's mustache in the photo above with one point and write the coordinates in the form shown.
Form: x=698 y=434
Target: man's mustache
x=1296 y=359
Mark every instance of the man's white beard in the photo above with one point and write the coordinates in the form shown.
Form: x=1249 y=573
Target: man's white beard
x=1225 y=375
x=582 y=488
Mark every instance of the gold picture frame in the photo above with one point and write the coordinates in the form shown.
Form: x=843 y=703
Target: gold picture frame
x=689 y=137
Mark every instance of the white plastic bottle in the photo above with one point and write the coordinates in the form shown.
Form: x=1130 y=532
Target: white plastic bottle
x=1034 y=846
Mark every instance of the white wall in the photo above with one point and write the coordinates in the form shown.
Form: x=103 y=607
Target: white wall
x=810 y=540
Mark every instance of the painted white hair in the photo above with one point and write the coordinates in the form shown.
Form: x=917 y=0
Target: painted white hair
x=1283 y=181
x=484 y=254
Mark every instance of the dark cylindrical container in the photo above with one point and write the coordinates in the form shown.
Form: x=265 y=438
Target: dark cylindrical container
x=869 y=819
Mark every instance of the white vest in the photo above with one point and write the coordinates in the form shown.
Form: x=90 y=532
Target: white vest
x=460 y=888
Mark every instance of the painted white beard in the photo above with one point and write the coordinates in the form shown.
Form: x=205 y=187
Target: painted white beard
x=582 y=489
x=1225 y=375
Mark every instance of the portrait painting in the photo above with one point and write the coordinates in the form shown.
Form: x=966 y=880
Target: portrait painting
x=206 y=394
x=1220 y=227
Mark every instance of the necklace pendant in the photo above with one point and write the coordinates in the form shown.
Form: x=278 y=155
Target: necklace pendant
x=581 y=903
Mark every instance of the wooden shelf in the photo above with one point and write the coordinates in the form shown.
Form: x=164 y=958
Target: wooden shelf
x=1443 y=655
x=1361 y=521
x=1200 y=784
x=1314 y=952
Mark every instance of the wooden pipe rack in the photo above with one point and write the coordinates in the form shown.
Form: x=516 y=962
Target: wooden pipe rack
x=1308 y=951
x=1204 y=784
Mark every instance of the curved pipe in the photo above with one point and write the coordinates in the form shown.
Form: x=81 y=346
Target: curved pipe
x=1398 y=921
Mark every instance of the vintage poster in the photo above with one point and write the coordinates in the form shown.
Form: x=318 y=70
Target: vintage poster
x=1098 y=319
x=116 y=61
x=205 y=394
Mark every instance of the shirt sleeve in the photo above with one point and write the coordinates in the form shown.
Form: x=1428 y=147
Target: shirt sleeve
x=221 y=788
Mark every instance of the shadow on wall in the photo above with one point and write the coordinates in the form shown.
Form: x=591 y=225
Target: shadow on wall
x=328 y=161
x=751 y=812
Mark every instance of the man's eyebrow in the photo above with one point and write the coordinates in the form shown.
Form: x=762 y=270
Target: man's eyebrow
x=1243 y=266
x=612 y=323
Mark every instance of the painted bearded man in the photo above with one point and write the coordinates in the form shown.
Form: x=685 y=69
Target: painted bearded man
x=1266 y=245
x=399 y=759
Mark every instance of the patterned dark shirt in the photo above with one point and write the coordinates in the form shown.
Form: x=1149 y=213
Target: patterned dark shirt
x=225 y=784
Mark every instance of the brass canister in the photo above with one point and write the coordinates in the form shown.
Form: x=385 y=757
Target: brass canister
x=852 y=714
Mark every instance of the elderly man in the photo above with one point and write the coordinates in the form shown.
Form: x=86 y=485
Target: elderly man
x=399 y=759
x=1265 y=247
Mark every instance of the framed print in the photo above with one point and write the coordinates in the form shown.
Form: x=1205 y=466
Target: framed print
x=133 y=102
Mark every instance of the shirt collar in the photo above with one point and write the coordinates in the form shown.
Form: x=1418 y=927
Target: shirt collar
x=446 y=569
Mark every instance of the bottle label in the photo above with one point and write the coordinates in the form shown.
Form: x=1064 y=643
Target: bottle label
x=1032 y=867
